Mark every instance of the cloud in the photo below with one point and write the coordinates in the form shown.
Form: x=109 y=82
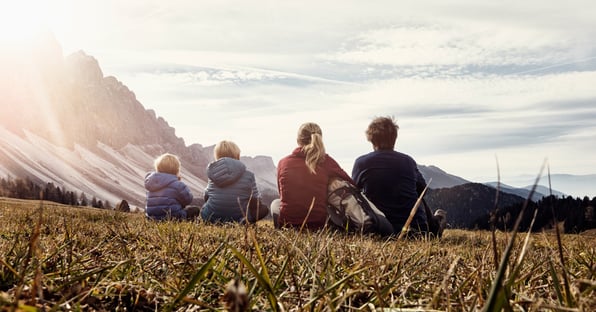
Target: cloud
x=430 y=49
x=465 y=80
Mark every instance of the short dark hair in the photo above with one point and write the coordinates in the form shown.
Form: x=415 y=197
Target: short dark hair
x=382 y=133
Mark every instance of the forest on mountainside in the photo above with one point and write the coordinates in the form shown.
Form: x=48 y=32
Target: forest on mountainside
x=575 y=214
x=27 y=189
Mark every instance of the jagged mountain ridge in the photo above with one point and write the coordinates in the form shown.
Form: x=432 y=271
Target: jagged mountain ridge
x=437 y=178
x=441 y=179
x=539 y=192
x=63 y=122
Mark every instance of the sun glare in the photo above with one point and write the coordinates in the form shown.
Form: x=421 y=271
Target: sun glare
x=24 y=27
x=22 y=21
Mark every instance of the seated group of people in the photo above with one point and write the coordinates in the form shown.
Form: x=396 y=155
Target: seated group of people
x=388 y=178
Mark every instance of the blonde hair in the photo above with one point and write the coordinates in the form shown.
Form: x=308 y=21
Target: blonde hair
x=167 y=163
x=310 y=138
x=226 y=149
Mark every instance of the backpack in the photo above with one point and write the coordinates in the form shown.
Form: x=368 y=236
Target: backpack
x=349 y=210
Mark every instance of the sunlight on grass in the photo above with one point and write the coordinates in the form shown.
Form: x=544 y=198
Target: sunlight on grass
x=104 y=260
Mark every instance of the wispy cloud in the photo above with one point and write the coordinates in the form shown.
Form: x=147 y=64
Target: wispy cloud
x=466 y=80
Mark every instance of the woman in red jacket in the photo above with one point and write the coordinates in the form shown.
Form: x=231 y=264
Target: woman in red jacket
x=302 y=179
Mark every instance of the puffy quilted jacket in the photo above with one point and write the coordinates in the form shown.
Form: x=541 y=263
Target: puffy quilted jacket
x=299 y=189
x=166 y=196
x=229 y=188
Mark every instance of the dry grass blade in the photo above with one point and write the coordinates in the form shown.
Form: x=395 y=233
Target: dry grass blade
x=435 y=300
x=312 y=204
x=93 y=260
x=523 y=253
x=556 y=283
x=406 y=227
x=11 y=269
x=265 y=274
x=493 y=219
x=195 y=279
x=497 y=297
x=333 y=287
x=31 y=253
x=568 y=295
x=262 y=278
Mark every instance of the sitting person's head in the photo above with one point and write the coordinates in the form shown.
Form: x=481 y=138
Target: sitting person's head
x=310 y=139
x=167 y=163
x=226 y=149
x=382 y=133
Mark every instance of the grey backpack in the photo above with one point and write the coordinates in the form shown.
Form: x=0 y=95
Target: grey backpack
x=350 y=211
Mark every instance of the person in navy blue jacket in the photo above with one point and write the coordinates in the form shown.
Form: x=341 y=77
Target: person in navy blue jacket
x=231 y=194
x=392 y=181
x=168 y=197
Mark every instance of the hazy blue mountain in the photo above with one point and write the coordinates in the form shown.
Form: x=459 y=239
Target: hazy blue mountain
x=439 y=177
x=564 y=184
x=442 y=179
x=524 y=192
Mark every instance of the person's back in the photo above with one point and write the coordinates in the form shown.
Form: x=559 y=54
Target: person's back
x=389 y=179
x=299 y=189
x=231 y=194
x=302 y=179
x=167 y=196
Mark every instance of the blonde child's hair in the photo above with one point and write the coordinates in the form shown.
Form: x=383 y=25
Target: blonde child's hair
x=167 y=163
x=310 y=138
x=226 y=149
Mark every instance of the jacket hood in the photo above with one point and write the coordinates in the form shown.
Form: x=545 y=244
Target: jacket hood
x=155 y=181
x=225 y=171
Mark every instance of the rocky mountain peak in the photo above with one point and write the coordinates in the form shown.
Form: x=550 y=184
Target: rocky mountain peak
x=99 y=136
x=84 y=69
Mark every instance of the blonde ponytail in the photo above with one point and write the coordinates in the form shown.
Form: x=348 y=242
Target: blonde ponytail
x=310 y=138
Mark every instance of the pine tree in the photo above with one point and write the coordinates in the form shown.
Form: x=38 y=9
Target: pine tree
x=83 y=200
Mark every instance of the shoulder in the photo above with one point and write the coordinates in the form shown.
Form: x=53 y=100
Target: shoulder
x=226 y=163
x=406 y=157
x=393 y=154
x=249 y=175
x=368 y=157
x=329 y=162
x=332 y=165
x=295 y=156
x=179 y=185
x=364 y=157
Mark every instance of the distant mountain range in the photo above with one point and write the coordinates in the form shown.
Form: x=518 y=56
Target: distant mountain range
x=568 y=184
x=524 y=192
x=468 y=204
x=63 y=122
x=439 y=178
x=563 y=184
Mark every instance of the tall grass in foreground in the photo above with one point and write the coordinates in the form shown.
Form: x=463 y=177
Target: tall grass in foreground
x=66 y=258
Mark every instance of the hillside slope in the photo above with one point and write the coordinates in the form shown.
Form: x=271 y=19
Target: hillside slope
x=64 y=122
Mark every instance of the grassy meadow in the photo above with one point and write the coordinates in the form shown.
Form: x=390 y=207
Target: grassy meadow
x=55 y=257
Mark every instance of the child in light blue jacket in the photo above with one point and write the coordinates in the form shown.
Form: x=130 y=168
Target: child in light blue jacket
x=231 y=194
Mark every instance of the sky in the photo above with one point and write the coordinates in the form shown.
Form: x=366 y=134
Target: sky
x=473 y=86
